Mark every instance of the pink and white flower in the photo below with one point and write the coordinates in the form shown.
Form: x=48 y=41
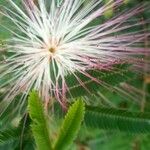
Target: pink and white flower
x=56 y=41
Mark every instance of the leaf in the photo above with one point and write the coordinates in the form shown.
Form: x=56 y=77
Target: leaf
x=118 y=74
x=39 y=122
x=9 y=135
x=14 y=134
x=8 y=112
x=115 y=119
x=70 y=126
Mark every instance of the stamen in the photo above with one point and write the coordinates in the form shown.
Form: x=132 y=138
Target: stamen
x=52 y=50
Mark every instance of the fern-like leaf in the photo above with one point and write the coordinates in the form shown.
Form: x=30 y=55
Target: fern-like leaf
x=70 y=126
x=114 y=119
x=15 y=134
x=9 y=135
x=39 y=122
x=120 y=73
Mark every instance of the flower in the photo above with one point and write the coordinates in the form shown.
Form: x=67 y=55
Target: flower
x=52 y=42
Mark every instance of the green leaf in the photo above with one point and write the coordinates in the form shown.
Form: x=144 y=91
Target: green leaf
x=120 y=73
x=70 y=126
x=115 y=119
x=15 y=134
x=9 y=135
x=39 y=122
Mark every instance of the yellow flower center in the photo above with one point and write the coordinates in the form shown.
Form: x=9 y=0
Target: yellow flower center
x=52 y=49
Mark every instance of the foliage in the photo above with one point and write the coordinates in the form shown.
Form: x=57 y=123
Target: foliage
x=115 y=119
x=71 y=126
x=17 y=136
x=39 y=122
x=40 y=128
x=102 y=127
x=120 y=73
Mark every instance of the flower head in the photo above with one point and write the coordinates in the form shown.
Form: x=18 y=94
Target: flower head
x=53 y=42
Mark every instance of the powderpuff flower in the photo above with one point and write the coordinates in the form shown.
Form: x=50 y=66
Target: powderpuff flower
x=53 y=42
